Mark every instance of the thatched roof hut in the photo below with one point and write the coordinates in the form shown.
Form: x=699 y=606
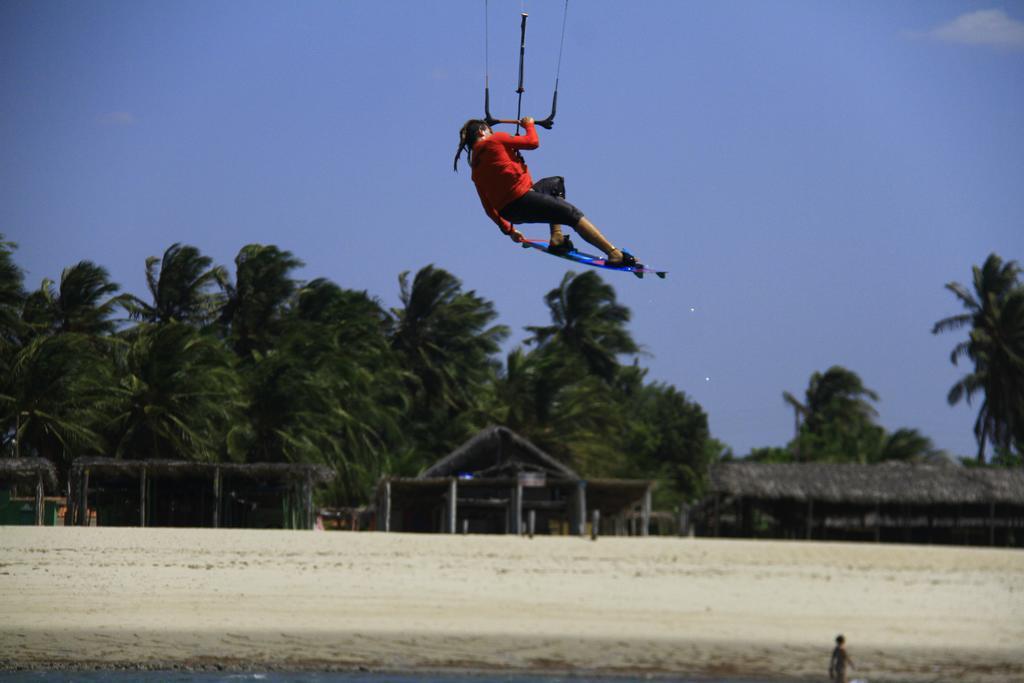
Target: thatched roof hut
x=498 y=451
x=939 y=502
x=28 y=470
x=39 y=472
x=892 y=482
x=297 y=472
x=490 y=482
x=186 y=493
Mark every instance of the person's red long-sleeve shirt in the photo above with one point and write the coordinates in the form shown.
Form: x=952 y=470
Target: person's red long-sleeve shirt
x=499 y=173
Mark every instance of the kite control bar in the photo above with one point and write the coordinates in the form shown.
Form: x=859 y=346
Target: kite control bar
x=550 y=120
x=490 y=120
x=516 y=123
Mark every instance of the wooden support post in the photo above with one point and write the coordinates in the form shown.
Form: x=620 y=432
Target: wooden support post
x=531 y=522
x=991 y=523
x=595 y=524
x=717 y=530
x=810 y=518
x=684 y=520
x=878 y=522
x=453 y=504
x=143 y=494
x=386 y=507
x=310 y=510
x=581 y=508
x=71 y=511
x=84 y=519
x=465 y=526
x=516 y=510
x=645 y=513
x=39 y=498
x=216 y=497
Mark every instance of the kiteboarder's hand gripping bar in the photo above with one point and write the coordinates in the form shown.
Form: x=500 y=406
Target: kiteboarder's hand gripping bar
x=513 y=122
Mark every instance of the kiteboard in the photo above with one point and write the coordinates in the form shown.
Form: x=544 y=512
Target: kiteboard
x=575 y=256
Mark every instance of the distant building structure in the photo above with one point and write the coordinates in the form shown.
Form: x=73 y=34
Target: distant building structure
x=37 y=475
x=500 y=483
x=112 y=492
x=894 y=502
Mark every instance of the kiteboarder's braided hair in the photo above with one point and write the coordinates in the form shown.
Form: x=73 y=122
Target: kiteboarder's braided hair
x=467 y=138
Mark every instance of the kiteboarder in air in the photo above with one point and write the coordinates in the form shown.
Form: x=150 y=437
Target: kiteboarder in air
x=509 y=195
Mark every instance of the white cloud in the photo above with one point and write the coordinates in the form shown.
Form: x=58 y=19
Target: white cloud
x=118 y=118
x=990 y=27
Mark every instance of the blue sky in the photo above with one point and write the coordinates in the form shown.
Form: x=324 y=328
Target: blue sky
x=812 y=173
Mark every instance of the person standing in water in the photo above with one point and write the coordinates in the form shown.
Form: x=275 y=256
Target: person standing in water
x=509 y=195
x=840 y=660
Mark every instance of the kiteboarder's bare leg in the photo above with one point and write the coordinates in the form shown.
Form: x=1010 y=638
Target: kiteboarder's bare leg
x=592 y=235
x=556 y=235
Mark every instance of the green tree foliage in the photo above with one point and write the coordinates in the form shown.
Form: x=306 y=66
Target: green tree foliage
x=549 y=398
x=60 y=376
x=12 y=298
x=836 y=423
x=178 y=394
x=588 y=322
x=994 y=314
x=329 y=392
x=83 y=303
x=60 y=389
x=908 y=445
x=255 y=303
x=184 y=288
x=839 y=424
x=445 y=340
x=666 y=437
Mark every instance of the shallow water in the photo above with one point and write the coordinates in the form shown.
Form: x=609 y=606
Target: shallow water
x=307 y=677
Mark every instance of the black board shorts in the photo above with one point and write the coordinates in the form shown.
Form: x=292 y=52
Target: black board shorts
x=544 y=203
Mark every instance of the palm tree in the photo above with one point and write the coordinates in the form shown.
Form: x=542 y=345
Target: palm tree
x=588 y=322
x=180 y=285
x=561 y=409
x=838 y=419
x=60 y=391
x=666 y=436
x=12 y=297
x=313 y=400
x=60 y=376
x=908 y=445
x=445 y=341
x=358 y=319
x=258 y=299
x=178 y=394
x=839 y=395
x=343 y=335
x=995 y=344
x=83 y=303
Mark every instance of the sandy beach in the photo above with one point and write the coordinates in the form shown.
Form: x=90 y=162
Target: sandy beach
x=74 y=597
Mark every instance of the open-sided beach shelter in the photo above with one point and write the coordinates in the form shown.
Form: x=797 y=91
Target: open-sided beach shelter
x=939 y=502
x=114 y=492
x=37 y=474
x=498 y=482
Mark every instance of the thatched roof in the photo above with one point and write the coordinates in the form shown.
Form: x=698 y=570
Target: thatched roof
x=495 y=452
x=183 y=468
x=884 y=483
x=27 y=470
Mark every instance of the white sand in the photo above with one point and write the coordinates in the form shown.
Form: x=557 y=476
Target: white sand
x=287 y=599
